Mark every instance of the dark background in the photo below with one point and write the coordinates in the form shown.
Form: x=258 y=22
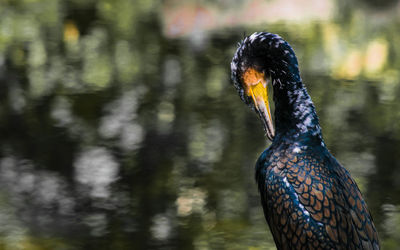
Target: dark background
x=120 y=130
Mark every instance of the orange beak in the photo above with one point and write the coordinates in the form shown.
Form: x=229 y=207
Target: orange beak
x=256 y=87
x=259 y=94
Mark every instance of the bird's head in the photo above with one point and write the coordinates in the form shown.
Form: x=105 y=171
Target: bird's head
x=260 y=58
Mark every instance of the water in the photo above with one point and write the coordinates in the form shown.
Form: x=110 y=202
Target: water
x=119 y=133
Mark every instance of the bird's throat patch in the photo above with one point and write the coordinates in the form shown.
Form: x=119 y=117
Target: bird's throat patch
x=252 y=78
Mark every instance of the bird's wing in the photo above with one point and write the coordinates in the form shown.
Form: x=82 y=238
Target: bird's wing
x=308 y=203
x=361 y=219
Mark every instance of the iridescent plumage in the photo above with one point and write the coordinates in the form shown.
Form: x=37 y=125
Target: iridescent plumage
x=310 y=201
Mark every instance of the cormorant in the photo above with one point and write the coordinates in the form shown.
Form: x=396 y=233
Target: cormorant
x=310 y=201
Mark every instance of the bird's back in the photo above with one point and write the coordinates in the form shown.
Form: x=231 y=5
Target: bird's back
x=310 y=201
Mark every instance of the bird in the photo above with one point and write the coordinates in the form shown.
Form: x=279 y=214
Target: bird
x=310 y=201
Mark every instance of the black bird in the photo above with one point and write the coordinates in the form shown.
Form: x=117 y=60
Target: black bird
x=310 y=201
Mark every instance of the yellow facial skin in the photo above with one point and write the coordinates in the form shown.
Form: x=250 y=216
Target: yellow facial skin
x=255 y=86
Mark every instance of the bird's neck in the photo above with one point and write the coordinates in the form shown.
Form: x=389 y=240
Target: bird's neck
x=295 y=115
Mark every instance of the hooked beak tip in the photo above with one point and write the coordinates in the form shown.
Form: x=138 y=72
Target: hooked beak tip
x=269 y=129
x=270 y=136
x=267 y=122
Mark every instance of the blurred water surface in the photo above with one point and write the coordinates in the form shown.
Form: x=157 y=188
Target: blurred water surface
x=120 y=130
